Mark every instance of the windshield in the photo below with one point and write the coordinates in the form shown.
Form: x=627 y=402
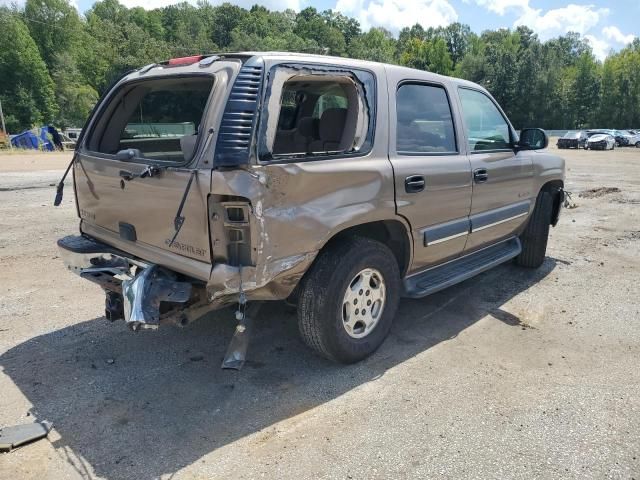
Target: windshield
x=572 y=135
x=157 y=120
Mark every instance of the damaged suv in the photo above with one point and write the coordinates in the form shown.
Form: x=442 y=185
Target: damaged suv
x=339 y=185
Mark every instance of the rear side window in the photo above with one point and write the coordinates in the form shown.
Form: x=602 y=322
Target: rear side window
x=316 y=113
x=157 y=119
x=487 y=129
x=424 y=120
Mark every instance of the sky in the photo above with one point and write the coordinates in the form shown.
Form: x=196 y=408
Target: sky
x=607 y=25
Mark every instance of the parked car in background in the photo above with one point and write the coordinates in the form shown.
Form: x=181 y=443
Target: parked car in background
x=633 y=138
x=67 y=143
x=620 y=137
x=573 y=139
x=72 y=133
x=600 y=141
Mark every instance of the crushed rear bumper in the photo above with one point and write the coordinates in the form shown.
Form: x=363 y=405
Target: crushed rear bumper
x=137 y=287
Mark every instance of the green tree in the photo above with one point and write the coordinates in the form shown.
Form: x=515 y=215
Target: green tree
x=26 y=89
x=377 y=45
x=74 y=96
x=348 y=27
x=54 y=25
x=432 y=56
x=313 y=26
x=186 y=30
x=113 y=44
x=225 y=19
x=439 y=60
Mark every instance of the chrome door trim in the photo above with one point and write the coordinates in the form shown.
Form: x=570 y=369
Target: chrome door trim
x=445 y=239
x=499 y=222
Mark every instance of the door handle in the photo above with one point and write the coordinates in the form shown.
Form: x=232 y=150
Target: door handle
x=480 y=175
x=414 y=184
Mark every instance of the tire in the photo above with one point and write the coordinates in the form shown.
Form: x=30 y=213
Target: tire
x=637 y=144
x=322 y=300
x=535 y=236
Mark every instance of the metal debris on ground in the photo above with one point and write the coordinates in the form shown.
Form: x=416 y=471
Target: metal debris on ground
x=12 y=437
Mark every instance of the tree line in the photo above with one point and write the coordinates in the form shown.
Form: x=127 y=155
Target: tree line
x=54 y=62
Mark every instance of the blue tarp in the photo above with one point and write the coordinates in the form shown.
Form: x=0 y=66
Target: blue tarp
x=43 y=138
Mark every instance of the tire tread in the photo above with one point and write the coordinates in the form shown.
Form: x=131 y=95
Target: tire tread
x=535 y=236
x=314 y=292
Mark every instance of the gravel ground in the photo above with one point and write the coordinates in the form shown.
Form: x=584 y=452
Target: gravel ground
x=513 y=374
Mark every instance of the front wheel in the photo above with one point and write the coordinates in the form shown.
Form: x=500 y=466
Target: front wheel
x=535 y=236
x=348 y=299
x=637 y=144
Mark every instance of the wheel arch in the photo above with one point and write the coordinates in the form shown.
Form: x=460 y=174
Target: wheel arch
x=556 y=189
x=393 y=233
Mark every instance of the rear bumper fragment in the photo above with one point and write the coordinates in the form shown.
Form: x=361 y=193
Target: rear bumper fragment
x=141 y=285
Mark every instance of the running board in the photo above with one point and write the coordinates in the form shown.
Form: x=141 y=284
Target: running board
x=443 y=276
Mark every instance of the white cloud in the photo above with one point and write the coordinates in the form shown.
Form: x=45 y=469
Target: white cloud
x=553 y=22
x=501 y=6
x=396 y=14
x=558 y=21
x=601 y=48
x=613 y=33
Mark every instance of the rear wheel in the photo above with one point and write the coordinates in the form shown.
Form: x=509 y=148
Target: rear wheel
x=348 y=299
x=535 y=236
x=637 y=144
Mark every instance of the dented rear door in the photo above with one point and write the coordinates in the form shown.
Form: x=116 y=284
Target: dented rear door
x=131 y=175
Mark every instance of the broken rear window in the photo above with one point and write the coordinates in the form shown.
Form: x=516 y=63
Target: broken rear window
x=159 y=120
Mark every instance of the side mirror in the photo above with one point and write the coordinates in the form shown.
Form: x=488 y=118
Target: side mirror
x=533 y=139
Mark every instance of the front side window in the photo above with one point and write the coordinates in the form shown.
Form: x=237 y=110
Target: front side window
x=424 y=120
x=316 y=113
x=486 y=127
x=159 y=120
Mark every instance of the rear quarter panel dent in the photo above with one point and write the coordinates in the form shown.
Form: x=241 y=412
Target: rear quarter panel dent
x=298 y=207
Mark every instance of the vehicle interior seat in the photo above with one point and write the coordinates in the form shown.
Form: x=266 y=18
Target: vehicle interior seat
x=306 y=133
x=188 y=146
x=331 y=131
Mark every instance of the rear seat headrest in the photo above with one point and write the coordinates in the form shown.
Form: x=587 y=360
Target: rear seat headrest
x=332 y=124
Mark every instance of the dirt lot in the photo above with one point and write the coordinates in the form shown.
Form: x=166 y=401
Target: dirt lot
x=513 y=374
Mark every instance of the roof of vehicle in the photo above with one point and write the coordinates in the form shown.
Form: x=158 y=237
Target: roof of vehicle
x=351 y=62
x=325 y=59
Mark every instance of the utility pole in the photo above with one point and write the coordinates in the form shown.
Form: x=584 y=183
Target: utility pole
x=4 y=129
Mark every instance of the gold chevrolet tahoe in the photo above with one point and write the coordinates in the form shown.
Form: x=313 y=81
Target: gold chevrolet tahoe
x=339 y=185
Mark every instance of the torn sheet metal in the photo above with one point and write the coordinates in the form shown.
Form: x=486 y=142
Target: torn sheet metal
x=237 y=351
x=12 y=437
x=143 y=294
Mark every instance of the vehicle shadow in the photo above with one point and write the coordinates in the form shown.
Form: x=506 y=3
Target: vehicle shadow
x=141 y=406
